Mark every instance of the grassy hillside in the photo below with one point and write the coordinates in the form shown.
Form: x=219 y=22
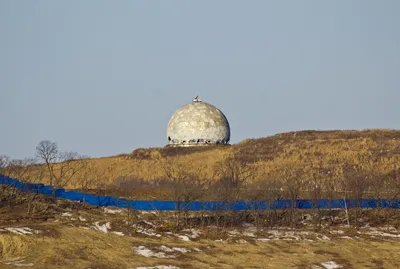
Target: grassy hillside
x=313 y=152
x=43 y=232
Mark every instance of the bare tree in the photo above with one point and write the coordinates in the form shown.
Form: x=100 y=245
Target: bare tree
x=67 y=167
x=292 y=178
x=394 y=179
x=231 y=174
x=89 y=175
x=357 y=181
x=47 y=151
x=4 y=162
x=185 y=186
x=18 y=169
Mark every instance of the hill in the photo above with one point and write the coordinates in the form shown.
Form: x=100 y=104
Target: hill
x=314 y=154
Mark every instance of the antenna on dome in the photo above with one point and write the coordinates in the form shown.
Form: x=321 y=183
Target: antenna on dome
x=197 y=99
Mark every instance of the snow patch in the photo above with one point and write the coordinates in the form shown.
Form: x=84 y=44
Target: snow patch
x=104 y=228
x=331 y=265
x=323 y=237
x=346 y=237
x=149 y=233
x=112 y=211
x=182 y=250
x=249 y=234
x=166 y=249
x=148 y=223
x=293 y=235
x=234 y=232
x=82 y=218
x=194 y=233
x=118 y=233
x=21 y=230
x=19 y=262
x=159 y=267
x=378 y=233
x=148 y=212
x=183 y=237
x=66 y=214
x=337 y=232
x=143 y=251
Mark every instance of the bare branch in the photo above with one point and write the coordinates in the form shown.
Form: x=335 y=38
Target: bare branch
x=4 y=162
x=67 y=166
x=47 y=152
x=20 y=168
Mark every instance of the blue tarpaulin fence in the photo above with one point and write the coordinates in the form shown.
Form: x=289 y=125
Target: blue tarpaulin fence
x=197 y=205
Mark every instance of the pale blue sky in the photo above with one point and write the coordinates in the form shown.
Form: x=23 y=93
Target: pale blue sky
x=104 y=77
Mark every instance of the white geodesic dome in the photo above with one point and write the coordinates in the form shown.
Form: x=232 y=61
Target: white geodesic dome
x=198 y=123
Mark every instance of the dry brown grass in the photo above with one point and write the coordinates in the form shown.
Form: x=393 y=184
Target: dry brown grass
x=79 y=248
x=372 y=149
x=67 y=241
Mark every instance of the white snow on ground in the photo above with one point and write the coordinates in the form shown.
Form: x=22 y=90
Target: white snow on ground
x=234 y=232
x=378 y=233
x=389 y=228
x=192 y=233
x=249 y=234
x=19 y=262
x=164 y=252
x=336 y=232
x=183 y=237
x=331 y=265
x=149 y=233
x=159 y=267
x=82 y=218
x=118 y=233
x=182 y=250
x=148 y=223
x=292 y=235
x=104 y=228
x=143 y=251
x=166 y=249
x=146 y=212
x=322 y=237
x=347 y=237
x=21 y=230
x=112 y=211
x=66 y=214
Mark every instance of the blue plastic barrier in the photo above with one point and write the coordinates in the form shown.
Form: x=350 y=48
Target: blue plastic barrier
x=197 y=205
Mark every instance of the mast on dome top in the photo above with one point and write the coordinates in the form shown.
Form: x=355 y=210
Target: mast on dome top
x=197 y=99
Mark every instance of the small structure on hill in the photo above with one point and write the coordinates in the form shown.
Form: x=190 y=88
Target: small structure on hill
x=197 y=124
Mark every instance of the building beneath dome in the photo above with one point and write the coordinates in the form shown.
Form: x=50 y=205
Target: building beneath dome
x=198 y=124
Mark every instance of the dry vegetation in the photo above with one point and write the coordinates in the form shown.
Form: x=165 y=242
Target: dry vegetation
x=62 y=234
x=298 y=165
x=328 y=153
